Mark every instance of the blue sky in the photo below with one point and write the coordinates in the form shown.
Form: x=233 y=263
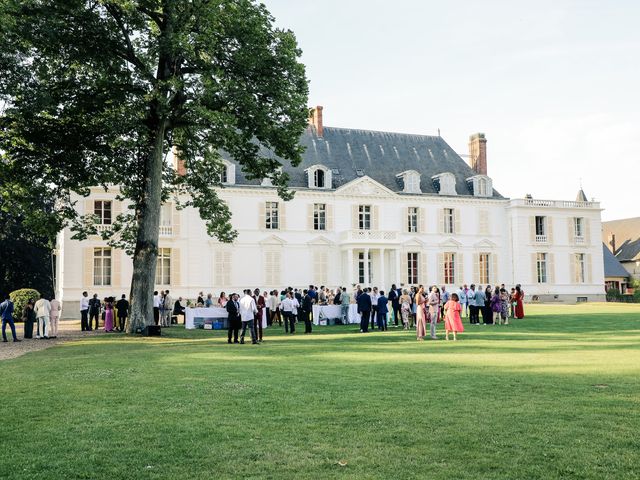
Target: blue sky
x=554 y=85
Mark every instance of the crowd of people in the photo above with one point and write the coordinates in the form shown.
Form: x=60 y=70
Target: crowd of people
x=413 y=307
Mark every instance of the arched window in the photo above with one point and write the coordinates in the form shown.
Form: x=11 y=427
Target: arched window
x=318 y=178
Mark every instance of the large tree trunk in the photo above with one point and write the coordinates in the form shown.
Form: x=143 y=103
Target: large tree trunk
x=148 y=221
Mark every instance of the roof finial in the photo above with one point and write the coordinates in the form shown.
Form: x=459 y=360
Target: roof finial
x=438 y=132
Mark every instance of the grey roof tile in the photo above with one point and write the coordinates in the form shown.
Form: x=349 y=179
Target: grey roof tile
x=612 y=267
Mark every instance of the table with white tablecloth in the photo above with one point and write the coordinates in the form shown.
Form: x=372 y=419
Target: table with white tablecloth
x=198 y=317
x=333 y=312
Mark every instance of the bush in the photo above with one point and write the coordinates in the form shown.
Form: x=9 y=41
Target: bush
x=20 y=299
x=613 y=295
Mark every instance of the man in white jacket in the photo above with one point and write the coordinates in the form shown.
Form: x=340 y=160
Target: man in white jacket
x=248 y=310
x=43 y=310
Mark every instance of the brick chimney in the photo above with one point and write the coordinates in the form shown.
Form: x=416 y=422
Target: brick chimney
x=612 y=242
x=478 y=153
x=315 y=119
x=178 y=163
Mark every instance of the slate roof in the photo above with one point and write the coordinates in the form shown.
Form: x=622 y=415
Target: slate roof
x=612 y=267
x=581 y=197
x=627 y=232
x=378 y=155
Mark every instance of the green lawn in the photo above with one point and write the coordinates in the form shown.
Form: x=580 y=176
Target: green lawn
x=556 y=395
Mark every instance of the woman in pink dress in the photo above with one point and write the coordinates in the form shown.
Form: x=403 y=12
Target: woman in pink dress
x=452 y=320
x=108 y=314
x=421 y=315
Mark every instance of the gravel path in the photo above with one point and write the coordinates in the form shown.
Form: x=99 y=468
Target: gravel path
x=68 y=331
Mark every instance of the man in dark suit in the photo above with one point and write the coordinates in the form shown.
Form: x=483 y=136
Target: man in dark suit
x=94 y=311
x=307 y=308
x=394 y=297
x=233 y=309
x=122 y=307
x=364 y=309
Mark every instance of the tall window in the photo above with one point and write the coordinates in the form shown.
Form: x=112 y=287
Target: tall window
x=319 y=216
x=449 y=268
x=412 y=220
x=541 y=228
x=272 y=219
x=541 y=267
x=449 y=220
x=102 y=266
x=482 y=188
x=318 y=178
x=578 y=228
x=361 y=268
x=163 y=267
x=484 y=268
x=412 y=268
x=102 y=209
x=364 y=217
x=580 y=268
x=223 y=174
x=412 y=182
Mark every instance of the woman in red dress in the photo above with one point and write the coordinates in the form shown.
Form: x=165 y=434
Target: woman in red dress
x=519 y=297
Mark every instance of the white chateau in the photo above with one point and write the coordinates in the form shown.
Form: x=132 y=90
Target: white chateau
x=370 y=208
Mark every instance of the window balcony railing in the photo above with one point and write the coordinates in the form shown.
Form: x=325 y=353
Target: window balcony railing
x=103 y=227
x=368 y=236
x=541 y=239
x=578 y=240
x=166 y=230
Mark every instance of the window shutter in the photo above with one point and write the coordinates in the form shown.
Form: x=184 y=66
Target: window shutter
x=116 y=209
x=354 y=217
x=549 y=230
x=532 y=228
x=375 y=224
x=494 y=269
x=459 y=273
x=222 y=268
x=88 y=267
x=573 y=270
x=588 y=268
x=440 y=220
x=587 y=231
x=272 y=268
x=175 y=221
x=476 y=268
x=310 y=217
x=422 y=268
x=329 y=218
x=116 y=260
x=440 y=268
x=404 y=268
x=405 y=217
x=421 y=220
x=551 y=268
x=320 y=266
x=483 y=222
x=175 y=267
x=534 y=268
x=89 y=207
x=282 y=216
x=571 y=232
x=262 y=214
x=457 y=222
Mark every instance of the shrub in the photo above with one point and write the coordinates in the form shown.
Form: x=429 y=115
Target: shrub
x=20 y=299
x=613 y=295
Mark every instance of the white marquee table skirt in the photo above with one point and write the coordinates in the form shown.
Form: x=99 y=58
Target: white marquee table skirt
x=195 y=317
x=331 y=312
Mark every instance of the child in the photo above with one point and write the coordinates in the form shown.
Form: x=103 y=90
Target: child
x=452 y=321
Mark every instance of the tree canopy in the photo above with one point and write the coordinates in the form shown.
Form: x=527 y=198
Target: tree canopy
x=98 y=92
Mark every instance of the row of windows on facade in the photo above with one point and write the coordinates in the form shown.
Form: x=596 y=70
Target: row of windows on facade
x=450 y=267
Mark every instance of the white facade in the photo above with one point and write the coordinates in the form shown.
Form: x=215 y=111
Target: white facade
x=410 y=239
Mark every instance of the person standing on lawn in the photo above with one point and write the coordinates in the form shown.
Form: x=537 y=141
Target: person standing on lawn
x=452 y=320
x=6 y=314
x=28 y=318
x=94 y=311
x=257 y=321
x=84 y=312
x=43 y=310
x=56 y=309
x=248 y=311
x=434 y=311
x=364 y=309
x=383 y=311
x=233 y=320
x=122 y=307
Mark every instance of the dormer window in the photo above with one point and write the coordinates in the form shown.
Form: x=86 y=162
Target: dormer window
x=411 y=181
x=481 y=185
x=228 y=173
x=319 y=176
x=445 y=183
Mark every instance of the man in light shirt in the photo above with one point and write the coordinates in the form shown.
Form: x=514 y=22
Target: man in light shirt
x=56 y=309
x=462 y=295
x=84 y=311
x=289 y=307
x=156 y=307
x=43 y=310
x=248 y=310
